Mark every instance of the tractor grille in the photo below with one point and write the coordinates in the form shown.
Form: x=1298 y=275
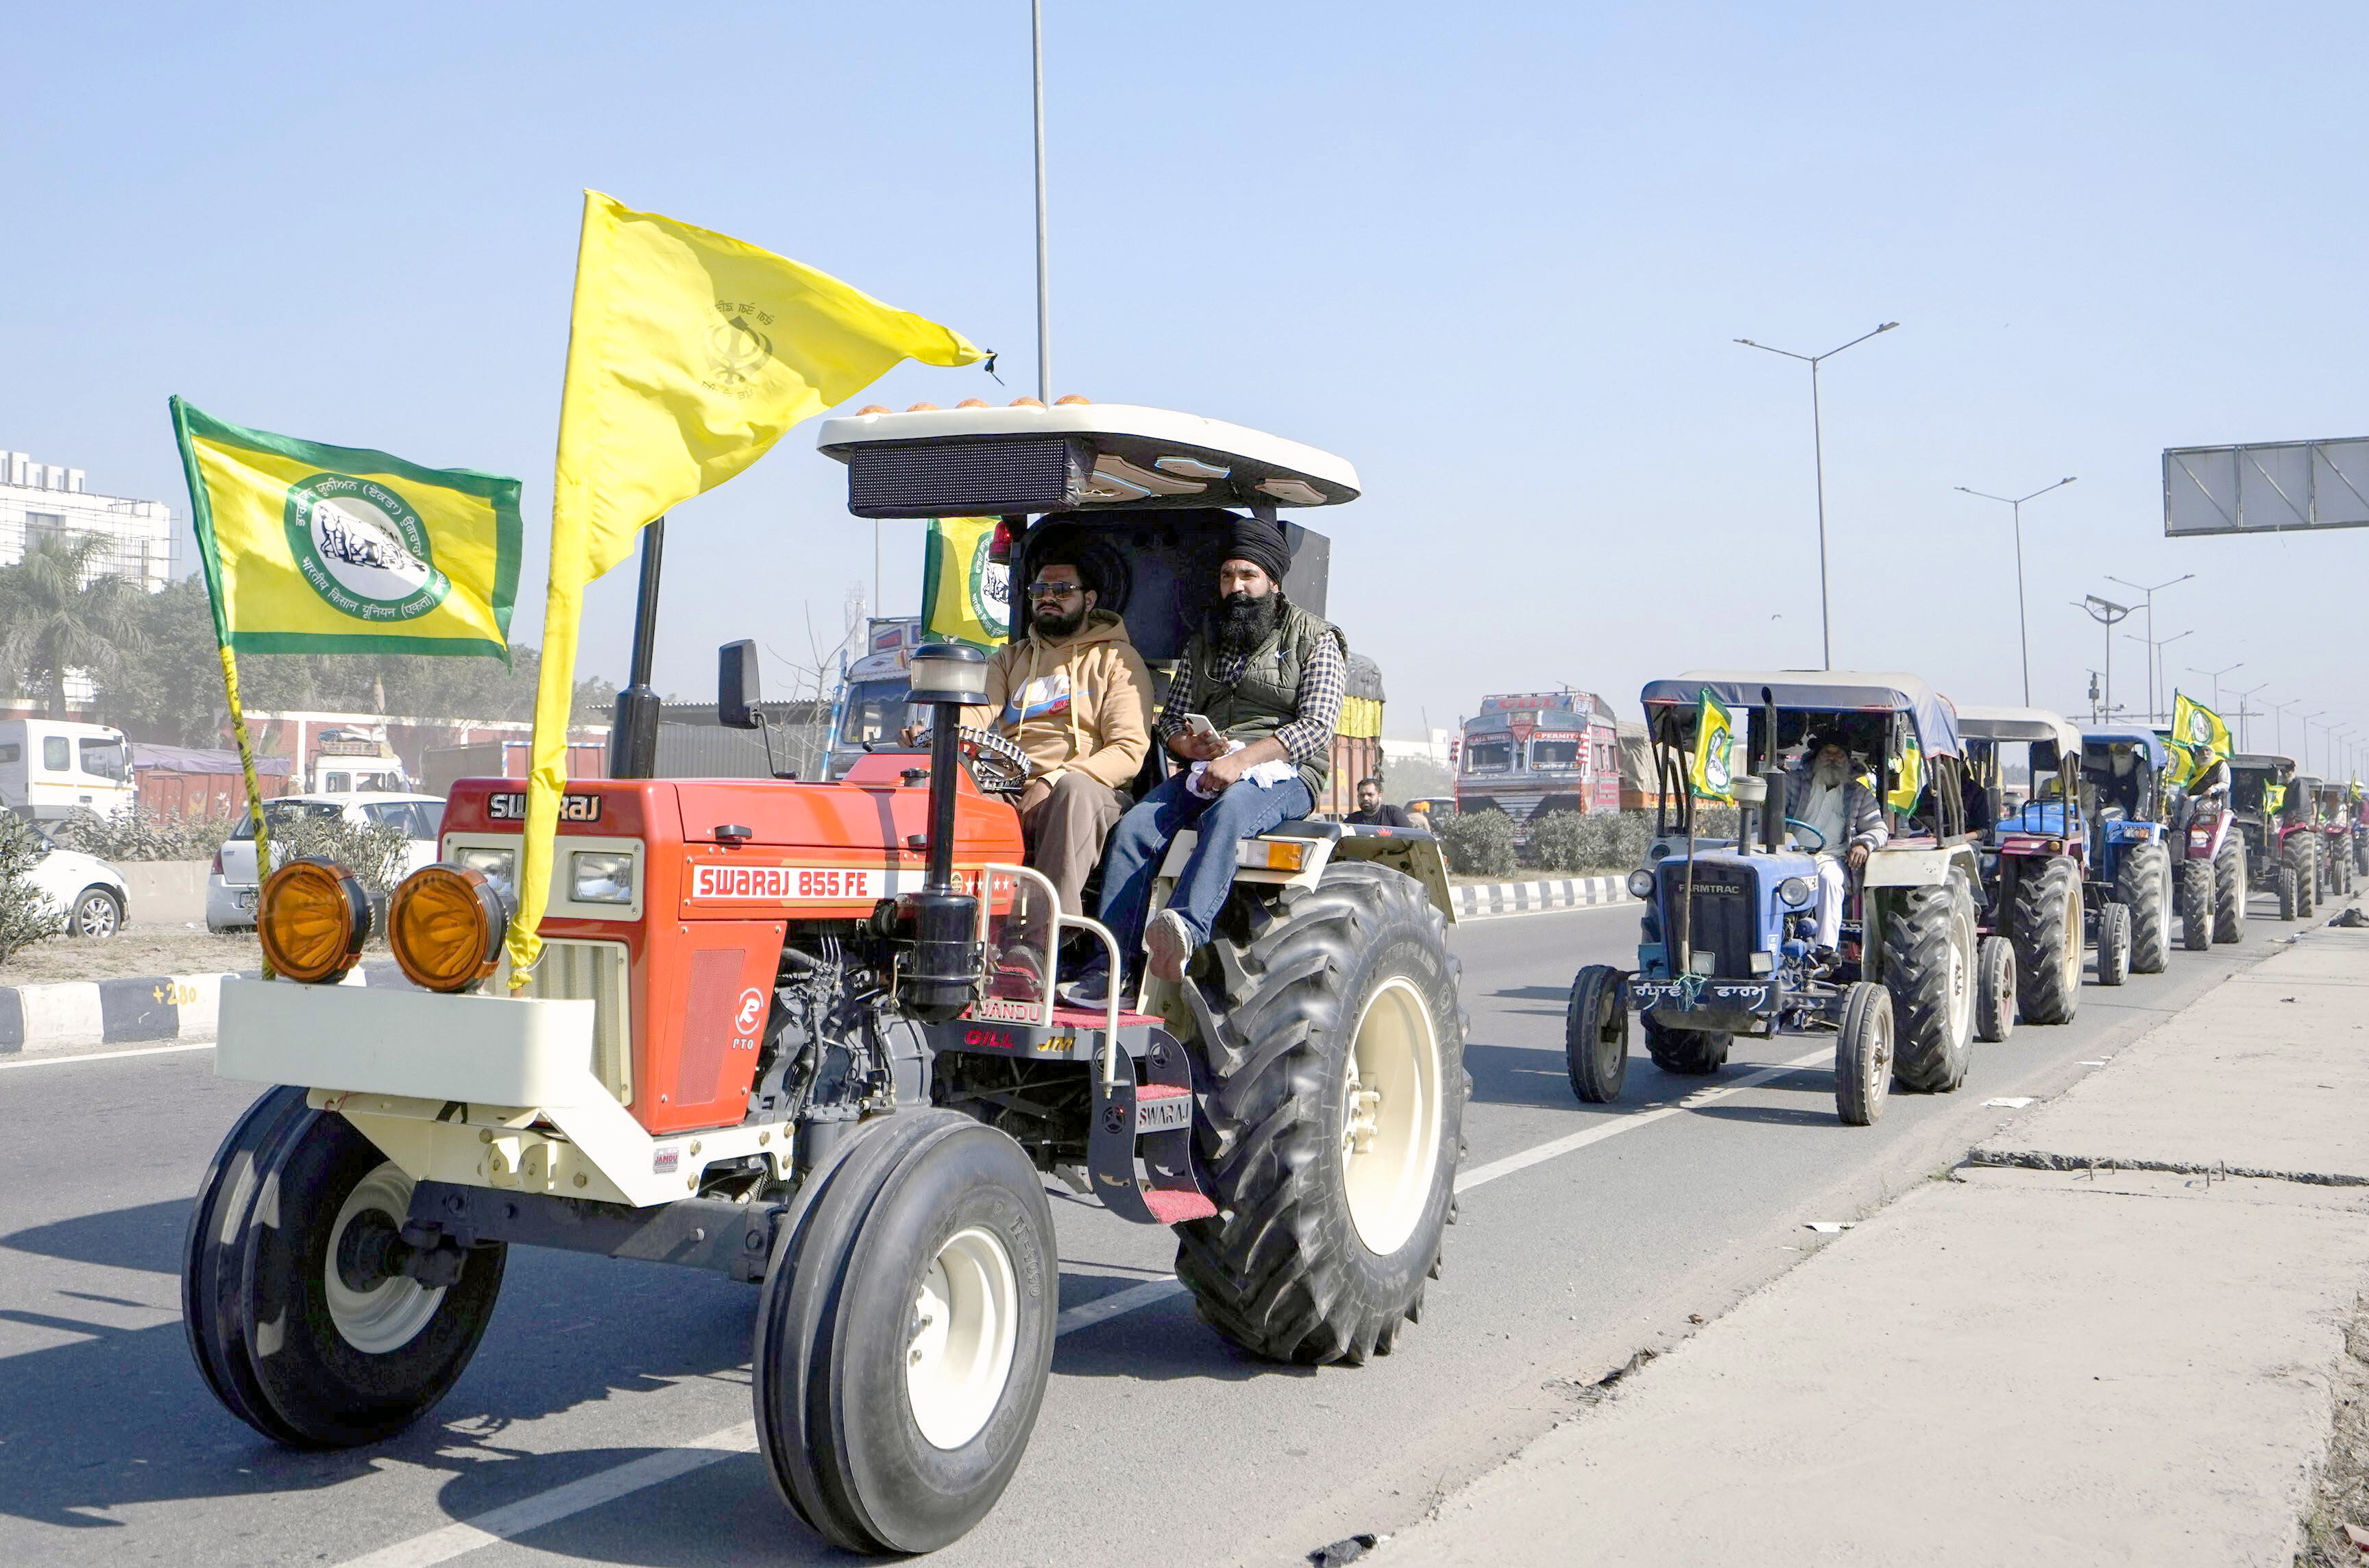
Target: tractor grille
x=976 y=478
x=1723 y=915
x=593 y=972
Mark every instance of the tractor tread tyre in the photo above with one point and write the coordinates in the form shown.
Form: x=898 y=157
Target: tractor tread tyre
x=2230 y=891
x=2286 y=890
x=1993 y=989
x=2144 y=883
x=1689 y=1053
x=1928 y=956
x=1863 y=1054
x=1596 y=1036
x=1282 y=1269
x=2196 y=905
x=835 y=1420
x=2307 y=872
x=256 y=1296
x=2044 y=920
x=2114 y=944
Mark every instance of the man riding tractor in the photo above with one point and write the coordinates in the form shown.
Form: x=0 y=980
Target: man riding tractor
x=1732 y=940
x=2208 y=851
x=2335 y=849
x=806 y=1034
x=2275 y=819
x=2036 y=861
x=2122 y=773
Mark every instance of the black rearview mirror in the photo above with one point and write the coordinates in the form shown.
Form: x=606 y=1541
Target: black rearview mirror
x=736 y=685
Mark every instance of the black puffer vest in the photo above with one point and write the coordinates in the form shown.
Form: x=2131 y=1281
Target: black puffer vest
x=1266 y=696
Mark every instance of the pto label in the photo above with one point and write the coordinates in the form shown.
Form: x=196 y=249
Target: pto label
x=786 y=884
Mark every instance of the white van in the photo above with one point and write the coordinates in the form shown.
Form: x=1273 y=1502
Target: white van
x=49 y=768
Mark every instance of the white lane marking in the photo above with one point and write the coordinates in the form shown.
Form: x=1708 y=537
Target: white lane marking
x=608 y=1485
x=1480 y=1176
x=103 y=1056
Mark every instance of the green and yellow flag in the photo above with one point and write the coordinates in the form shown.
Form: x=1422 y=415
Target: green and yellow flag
x=2274 y=800
x=1709 y=770
x=310 y=548
x=688 y=354
x=966 y=597
x=2196 y=725
x=1912 y=777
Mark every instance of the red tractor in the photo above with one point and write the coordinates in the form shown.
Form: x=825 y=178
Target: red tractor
x=806 y=1034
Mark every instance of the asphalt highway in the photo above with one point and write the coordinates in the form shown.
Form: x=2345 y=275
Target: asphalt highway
x=605 y=1419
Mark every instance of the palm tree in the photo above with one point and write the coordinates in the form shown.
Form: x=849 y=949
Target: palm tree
x=61 y=609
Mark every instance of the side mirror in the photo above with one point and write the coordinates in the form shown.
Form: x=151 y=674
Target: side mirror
x=736 y=685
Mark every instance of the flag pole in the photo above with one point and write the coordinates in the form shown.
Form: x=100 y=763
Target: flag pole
x=254 y=789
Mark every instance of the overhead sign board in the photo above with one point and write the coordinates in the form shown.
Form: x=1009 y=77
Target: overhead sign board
x=2266 y=487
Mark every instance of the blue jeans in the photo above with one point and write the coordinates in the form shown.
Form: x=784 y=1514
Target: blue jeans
x=1140 y=842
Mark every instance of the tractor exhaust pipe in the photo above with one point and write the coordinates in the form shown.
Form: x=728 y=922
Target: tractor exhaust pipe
x=942 y=977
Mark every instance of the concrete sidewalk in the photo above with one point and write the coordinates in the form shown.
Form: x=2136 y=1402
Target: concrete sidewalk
x=2089 y=1347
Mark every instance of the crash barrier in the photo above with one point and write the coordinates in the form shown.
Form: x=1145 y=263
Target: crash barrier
x=72 y=1015
x=165 y=892
x=1478 y=901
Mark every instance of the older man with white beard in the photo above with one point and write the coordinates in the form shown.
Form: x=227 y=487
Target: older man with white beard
x=1824 y=792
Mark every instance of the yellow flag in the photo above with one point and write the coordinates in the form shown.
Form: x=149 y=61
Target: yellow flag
x=966 y=594
x=1709 y=770
x=688 y=354
x=1912 y=778
x=2197 y=724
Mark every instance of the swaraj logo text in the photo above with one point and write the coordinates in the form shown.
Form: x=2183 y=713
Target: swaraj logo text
x=786 y=884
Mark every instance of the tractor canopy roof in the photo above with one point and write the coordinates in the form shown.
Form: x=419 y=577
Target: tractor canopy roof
x=2263 y=762
x=2158 y=755
x=1819 y=691
x=978 y=461
x=2020 y=723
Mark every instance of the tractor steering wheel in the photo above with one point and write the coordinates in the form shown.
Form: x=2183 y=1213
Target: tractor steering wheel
x=999 y=767
x=1818 y=848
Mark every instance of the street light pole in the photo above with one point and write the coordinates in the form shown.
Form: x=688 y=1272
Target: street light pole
x=2306 y=737
x=2244 y=713
x=1818 y=454
x=2154 y=665
x=2279 y=724
x=2151 y=592
x=2023 y=627
x=2216 y=675
x=1044 y=277
x=2109 y=614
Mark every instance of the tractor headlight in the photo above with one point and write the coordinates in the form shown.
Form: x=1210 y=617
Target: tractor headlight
x=311 y=916
x=446 y=924
x=497 y=866
x=599 y=877
x=1641 y=884
x=1794 y=892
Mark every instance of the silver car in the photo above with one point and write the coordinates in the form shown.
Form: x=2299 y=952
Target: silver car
x=231 y=884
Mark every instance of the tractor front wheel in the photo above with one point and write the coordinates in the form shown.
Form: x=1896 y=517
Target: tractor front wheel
x=1929 y=966
x=906 y=1335
x=2287 y=892
x=2230 y=891
x=2142 y=882
x=1993 y=989
x=2043 y=920
x=2307 y=872
x=1863 y=1054
x=1596 y=1036
x=2114 y=944
x=300 y=1319
x=2196 y=905
x=1329 y=1065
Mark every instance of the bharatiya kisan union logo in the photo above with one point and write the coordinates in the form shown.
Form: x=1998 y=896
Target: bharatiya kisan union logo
x=363 y=548
x=1716 y=772
x=990 y=591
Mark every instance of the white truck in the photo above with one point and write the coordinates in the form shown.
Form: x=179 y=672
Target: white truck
x=49 y=768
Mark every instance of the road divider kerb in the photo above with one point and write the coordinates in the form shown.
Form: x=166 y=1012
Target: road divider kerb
x=1488 y=900
x=75 y=1015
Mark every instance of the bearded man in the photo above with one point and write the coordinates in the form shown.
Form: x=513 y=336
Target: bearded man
x=1824 y=792
x=1269 y=678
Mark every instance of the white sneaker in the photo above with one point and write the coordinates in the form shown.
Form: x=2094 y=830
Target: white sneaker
x=1170 y=943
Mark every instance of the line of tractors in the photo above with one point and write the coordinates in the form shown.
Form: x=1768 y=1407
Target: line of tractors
x=807 y=1034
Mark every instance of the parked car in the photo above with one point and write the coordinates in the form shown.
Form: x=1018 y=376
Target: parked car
x=230 y=883
x=95 y=899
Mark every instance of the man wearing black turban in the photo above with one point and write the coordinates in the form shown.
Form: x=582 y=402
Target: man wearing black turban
x=1269 y=677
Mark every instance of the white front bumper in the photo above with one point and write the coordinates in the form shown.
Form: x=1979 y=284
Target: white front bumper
x=482 y=1049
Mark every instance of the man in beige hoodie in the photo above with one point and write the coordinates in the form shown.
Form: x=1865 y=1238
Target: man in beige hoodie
x=1076 y=696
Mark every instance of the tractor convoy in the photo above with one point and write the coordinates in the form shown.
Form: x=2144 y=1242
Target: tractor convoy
x=812 y=1036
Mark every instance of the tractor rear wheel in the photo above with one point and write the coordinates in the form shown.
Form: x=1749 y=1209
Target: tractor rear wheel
x=2230 y=891
x=1329 y=1065
x=2196 y=905
x=1863 y=1054
x=906 y=1335
x=2114 y=944
x=2043 y=920
x=2287 y=892
x=1689 y=1053
x=1993 y=989
x=1596 y=1036
x=2306 y=870
x=299 y=1320
x=1928 y=966
x=2142 y=882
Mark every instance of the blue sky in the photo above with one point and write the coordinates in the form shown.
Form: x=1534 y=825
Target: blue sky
x=1495 y=255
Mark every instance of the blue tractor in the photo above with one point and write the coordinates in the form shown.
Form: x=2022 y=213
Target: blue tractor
x=1726 y=945
x=2125 y=773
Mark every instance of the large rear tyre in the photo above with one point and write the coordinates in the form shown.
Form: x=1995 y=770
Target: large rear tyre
x=906 y=1334
x=299 y=1320
x=2196 y=905
x=1863 y=1053
x=1928 y=966
x=1993 y=989
x=1596 y=1036
x=2287 y=895
x=2043 y=920
x=1330 y=1068
x=2230 y=891
x=2142 y=882
x=2114 y=944
x=2306 y=869
x=1689 y=1053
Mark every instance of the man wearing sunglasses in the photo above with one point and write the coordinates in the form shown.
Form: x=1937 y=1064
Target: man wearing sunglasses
x=1076 y=697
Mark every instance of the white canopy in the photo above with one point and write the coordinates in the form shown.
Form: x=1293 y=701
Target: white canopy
x=2020 y=723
